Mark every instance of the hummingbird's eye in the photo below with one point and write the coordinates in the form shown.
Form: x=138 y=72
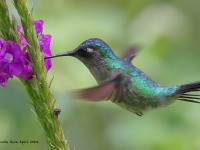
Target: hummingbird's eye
x=86 y=52
x=89 y=49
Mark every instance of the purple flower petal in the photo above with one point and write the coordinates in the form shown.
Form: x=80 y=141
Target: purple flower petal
x=38 y=24
x=27 y=73
x=45 y=48
x=3 y=78
x=45 y=44
x=19 y=28
x=23 y=40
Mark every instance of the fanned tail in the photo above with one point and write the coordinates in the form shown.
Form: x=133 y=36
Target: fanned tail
x=185 y=92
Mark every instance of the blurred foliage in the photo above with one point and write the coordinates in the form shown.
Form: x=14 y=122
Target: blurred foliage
x=168 y=33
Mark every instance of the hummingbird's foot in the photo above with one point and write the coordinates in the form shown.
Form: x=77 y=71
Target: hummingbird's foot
x=139 y=114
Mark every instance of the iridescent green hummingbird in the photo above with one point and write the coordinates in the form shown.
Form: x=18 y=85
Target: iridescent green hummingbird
x=124 y=84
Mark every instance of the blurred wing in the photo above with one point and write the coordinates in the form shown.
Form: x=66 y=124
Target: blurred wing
x=97 y=93
x=113 y=88
x=129 y=53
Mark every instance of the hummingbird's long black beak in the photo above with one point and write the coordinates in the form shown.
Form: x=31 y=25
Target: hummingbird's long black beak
x=70 y=53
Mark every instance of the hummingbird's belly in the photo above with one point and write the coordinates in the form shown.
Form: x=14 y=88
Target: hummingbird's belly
x=135 y=105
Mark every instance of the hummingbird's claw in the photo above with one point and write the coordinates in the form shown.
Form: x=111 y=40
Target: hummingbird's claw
x=139 y=114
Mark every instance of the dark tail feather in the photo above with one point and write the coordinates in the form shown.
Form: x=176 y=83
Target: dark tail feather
x=185 y=95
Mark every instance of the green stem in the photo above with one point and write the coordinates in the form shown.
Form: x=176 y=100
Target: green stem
x=38 y=88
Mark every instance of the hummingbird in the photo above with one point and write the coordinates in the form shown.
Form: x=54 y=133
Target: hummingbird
x=124 y=84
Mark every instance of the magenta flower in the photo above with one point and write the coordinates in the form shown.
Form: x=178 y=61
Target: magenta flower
x=12 y=62
x=16 y=62
x=44 y=40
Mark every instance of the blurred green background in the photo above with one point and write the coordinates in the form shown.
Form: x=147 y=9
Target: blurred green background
x=168 y=32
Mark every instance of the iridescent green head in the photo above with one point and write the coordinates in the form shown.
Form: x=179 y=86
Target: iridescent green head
x=91 y=48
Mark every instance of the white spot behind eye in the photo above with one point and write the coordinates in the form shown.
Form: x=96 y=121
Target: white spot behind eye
x=90 y=49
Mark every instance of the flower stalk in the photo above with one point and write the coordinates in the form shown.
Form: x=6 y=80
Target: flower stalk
x=38 y=88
